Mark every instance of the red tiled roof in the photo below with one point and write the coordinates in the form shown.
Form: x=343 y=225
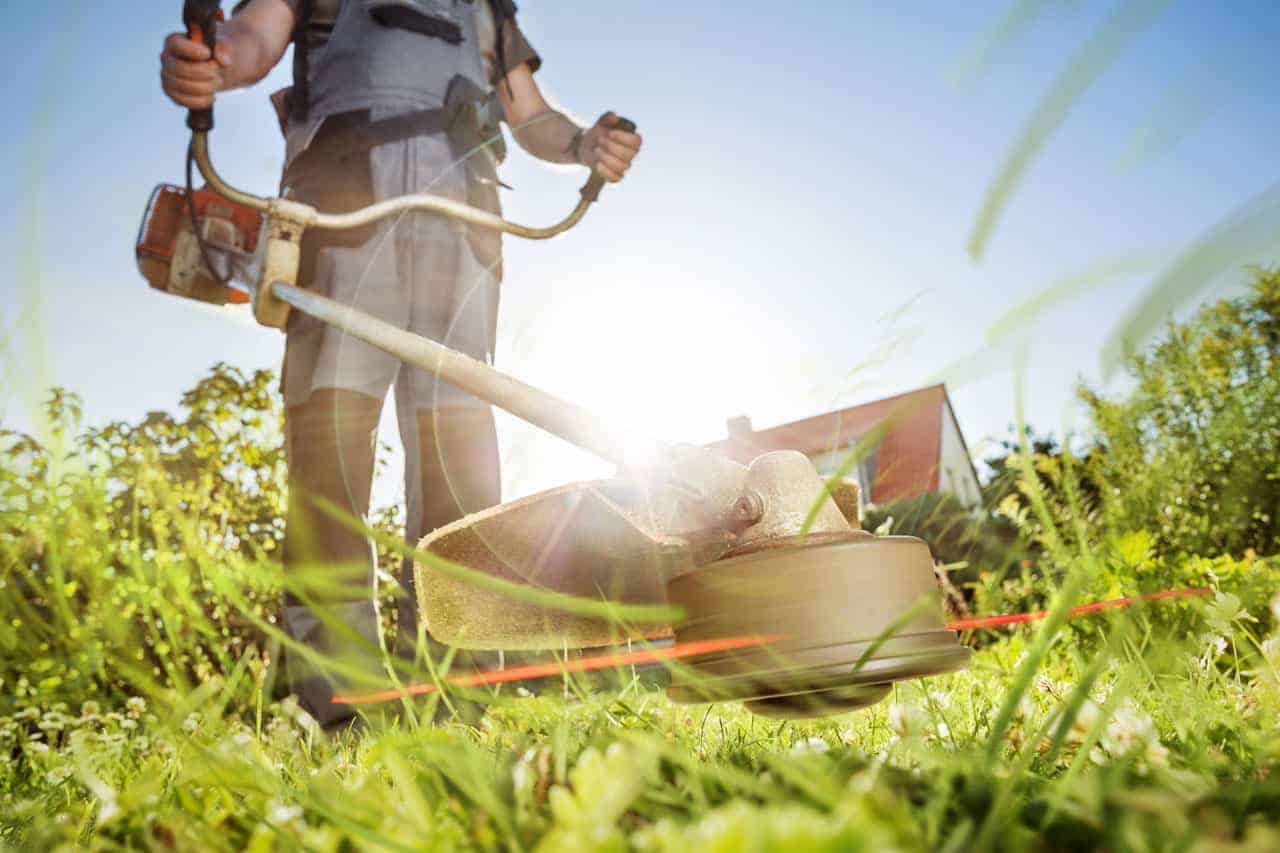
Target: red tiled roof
x=907 y=462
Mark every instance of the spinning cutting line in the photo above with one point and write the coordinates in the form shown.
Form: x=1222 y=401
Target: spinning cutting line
x=617 y=660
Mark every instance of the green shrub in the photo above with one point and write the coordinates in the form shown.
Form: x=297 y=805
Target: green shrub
x=144 y=557
x=1192 y=453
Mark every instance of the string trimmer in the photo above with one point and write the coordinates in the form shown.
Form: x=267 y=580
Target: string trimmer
x=767 y=551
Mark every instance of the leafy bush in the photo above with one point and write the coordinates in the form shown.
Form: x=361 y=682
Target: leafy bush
x=1192 y=453
x=1178 y=482
x=143 y=556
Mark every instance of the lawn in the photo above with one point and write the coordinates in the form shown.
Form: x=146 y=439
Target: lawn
x=1122 y=735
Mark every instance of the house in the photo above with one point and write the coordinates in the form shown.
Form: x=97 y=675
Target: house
x=910 y=445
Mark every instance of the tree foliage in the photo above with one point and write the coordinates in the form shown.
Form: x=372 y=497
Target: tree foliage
x=1192 y=453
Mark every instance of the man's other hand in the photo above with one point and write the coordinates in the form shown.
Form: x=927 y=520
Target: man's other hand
x=188 y=74
x=607 y=151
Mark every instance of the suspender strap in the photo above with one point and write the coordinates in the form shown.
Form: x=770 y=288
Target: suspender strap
x=300 y=97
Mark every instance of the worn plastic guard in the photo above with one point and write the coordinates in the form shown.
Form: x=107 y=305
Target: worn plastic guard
x=584 y=539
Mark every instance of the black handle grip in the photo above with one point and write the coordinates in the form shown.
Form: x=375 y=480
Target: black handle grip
x=591 y=189
x=201 y=18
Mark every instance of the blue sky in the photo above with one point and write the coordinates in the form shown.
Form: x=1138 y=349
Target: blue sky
x=810 y=177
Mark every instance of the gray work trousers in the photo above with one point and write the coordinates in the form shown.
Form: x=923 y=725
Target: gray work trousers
x=417 y=271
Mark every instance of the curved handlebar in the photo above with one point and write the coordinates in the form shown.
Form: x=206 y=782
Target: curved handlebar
x=418 y=201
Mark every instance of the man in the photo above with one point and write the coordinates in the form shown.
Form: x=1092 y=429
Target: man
x=389 y=97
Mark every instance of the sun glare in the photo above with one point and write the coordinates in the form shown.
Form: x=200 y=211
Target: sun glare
x=661 y=360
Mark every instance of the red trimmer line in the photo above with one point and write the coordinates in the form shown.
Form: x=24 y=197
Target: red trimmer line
x=615 y=660
x=1015 y=618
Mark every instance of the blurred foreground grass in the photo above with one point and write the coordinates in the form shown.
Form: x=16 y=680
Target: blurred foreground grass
x=1149 y=742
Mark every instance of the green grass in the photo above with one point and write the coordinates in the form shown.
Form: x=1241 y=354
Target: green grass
x=140 y=698
x=1148 y=746
x=140 y=710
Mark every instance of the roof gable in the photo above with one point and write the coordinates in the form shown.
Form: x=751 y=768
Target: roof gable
x=833 y=430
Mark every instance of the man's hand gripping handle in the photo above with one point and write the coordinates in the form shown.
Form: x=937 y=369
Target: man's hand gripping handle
x=591 y=189
x=201 y=18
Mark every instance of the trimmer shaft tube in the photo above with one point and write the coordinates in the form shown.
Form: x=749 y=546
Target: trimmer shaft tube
x=559 y=417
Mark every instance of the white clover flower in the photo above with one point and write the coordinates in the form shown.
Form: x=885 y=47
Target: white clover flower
x=279 y=814
x=135 y=706
x=810 y=745
x=38 y=746
x=242 y=739
x=906 y=720
x=90 y=708
x=1131 y=731
x=1085 y=720
x=58 y=775
x=520 y=772
x=1271 y=649
x=128 y=725
x=52 y=722
x=289 y=707
x=191 y=723
x=108 y=810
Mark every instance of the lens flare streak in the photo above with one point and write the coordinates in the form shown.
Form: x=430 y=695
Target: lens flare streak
x=614 y=660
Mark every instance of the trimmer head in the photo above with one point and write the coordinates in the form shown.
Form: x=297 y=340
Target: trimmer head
x=839 y=613
x=851 y=613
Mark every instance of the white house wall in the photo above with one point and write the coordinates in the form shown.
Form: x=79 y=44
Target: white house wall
x=956 y=475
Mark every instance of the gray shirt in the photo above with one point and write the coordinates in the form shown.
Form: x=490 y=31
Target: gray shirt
x=516 y=48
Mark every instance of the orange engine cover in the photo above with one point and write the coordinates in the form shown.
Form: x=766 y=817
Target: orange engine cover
x=167 y=253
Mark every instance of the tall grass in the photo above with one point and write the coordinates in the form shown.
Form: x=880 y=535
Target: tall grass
x=141 y=708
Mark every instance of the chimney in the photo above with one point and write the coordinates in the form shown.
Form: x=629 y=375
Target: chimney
x=739 y=427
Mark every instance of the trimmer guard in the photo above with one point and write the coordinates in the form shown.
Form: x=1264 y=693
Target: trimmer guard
x=584 y=539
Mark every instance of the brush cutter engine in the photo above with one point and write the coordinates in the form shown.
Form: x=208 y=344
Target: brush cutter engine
x=168 y=251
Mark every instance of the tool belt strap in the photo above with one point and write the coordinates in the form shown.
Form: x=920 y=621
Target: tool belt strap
x=350 y=133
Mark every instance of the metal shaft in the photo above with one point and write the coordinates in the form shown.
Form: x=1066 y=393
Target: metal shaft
x=547 y=411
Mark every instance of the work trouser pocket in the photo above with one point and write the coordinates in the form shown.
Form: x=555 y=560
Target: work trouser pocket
x=331 y=182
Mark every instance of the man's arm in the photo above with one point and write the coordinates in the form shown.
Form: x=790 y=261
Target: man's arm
x=550 y=135
x=249 y=45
